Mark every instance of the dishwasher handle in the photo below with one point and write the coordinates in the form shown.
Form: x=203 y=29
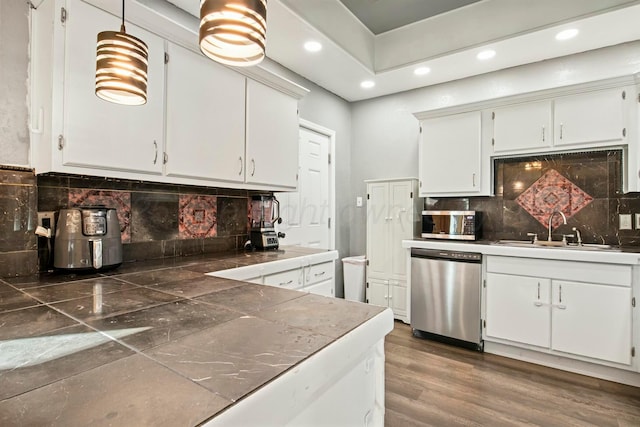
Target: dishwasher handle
x=472 y=257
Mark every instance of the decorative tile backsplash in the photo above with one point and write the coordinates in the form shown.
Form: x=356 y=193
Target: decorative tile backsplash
x=198 y=216
x=586 y=187
x=553 y=192
x=119 y=200
x=157 y=220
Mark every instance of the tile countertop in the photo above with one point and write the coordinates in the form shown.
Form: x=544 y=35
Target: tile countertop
x=155 y=343
x=626 y=256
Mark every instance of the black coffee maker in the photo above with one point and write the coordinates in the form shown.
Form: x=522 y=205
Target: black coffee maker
x=265 y=213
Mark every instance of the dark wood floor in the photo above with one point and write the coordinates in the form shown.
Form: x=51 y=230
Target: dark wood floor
x=433 y=384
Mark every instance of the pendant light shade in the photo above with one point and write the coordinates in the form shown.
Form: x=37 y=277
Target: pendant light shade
x=121 y=67
x=233 y=32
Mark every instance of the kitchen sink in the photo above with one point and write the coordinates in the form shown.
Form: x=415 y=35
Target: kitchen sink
x=555 y=245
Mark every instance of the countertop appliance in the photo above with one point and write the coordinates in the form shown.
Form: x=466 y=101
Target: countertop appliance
x=87 y=238
x=445 y=296
x=265 y=213
x=451 y=225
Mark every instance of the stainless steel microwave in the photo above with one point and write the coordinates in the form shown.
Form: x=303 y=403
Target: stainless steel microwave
x=452 y=225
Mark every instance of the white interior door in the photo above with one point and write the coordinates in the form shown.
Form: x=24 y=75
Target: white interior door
x=306 y=212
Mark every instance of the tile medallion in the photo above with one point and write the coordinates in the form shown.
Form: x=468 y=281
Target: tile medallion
x=198 y=216
x=550 y=192
x=120 y=200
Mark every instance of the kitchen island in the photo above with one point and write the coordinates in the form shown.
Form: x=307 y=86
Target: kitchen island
x=161 y=343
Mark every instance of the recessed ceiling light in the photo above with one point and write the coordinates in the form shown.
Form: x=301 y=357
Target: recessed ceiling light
x=421 y=71
x=313 y=46
x=367 y=84
x=486 y=54
x=567 y=34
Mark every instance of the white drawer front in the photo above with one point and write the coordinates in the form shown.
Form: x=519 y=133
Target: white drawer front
x=290 y=279
x=319 y=273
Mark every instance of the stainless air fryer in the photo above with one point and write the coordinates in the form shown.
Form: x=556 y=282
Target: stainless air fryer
x=87 y=238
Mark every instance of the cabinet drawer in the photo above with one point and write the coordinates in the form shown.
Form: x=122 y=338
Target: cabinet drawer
x=319 y=272
x=290 y=279
x=576 y=271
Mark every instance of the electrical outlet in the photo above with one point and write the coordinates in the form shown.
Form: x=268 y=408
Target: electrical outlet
x=625 y=222
x=47 y=219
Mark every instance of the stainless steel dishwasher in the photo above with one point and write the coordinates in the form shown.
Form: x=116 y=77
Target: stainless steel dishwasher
x=445 y=296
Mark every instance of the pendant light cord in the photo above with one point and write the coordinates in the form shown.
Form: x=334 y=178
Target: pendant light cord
x=122 y=30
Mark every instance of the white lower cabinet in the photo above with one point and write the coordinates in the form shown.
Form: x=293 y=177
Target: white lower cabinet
x=588 y=317
x=311 y=273
x=592 y=320
x=388 y=293
x=518 y=309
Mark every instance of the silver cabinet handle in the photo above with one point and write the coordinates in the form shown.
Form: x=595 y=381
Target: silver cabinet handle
x=561 y=129
x=253 y=167
x=286 y=283
x=240 y=158
x=165 y=158
x=543 y=136
x=155 y=158
x=538 y=290
x=560 y=294
x=473 y=179
x=320 y=274
x=561 y=306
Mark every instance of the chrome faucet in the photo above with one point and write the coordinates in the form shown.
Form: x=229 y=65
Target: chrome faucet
x=564 y=218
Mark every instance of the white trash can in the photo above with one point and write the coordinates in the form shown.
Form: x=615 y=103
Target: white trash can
x=354 y=275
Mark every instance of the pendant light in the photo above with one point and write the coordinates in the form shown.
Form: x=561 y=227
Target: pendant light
x=121 y=67
x=233 y=32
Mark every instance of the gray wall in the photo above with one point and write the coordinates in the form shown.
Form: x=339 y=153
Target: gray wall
x=14 y=65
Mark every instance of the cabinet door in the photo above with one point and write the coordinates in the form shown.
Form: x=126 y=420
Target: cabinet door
x=271 y=137
x=522 y=127
x=400 y=226
x=589 y=117
x=205 y=118
x=592 y=320
x=98 y=133
x=326 y=289
x=518 y=309
x=378 y=292
x=377 y=229
x=450 y=155
x=398 y=298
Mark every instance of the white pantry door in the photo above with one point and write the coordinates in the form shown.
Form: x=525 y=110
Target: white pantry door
x=306 y=212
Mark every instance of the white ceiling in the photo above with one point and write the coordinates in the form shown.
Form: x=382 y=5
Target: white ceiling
x=447 y=42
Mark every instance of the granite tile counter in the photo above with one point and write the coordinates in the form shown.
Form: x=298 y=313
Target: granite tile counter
x=155 y=343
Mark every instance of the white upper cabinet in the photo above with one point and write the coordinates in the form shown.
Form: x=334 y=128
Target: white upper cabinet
x=569 y=122
x=205 y=118
x=450 y=155
x=522 y=127
x=97 y=133
x=593 y=117
x=271 y=137
x=203 y=123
